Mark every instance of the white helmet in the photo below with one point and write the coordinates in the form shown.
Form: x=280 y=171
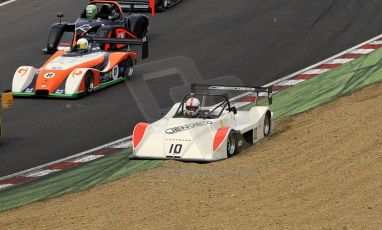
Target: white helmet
x=82 y=45
x=192 y=107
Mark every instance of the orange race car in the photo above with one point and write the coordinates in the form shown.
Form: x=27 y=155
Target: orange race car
x=83 y=69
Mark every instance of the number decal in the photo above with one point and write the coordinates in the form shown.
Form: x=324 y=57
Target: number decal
x=49 y=75
x=176 y=149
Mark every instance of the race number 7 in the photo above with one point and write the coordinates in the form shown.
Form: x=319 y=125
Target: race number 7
x=175 y=148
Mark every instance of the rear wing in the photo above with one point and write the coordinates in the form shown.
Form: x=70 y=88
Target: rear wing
x=252 y=93
x=128 y=5
x=7 y=99
x=130 y=42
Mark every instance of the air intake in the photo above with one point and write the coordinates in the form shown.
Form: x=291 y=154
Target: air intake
x=42 y=93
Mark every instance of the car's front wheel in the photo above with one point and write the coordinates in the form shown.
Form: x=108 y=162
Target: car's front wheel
x=128 y=68
x=232 y=144
x=89 y=83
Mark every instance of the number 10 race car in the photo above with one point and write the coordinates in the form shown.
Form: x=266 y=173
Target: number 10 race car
x=78 y=72
x=205 y=126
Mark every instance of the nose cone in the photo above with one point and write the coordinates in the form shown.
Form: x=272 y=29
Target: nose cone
x=49 y=80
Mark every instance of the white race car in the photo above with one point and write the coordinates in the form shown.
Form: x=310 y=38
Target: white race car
x=204 y=126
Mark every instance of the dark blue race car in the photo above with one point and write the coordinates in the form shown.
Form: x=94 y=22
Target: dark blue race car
x=108 y=21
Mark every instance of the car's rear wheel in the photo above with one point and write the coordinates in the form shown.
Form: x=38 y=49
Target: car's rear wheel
x=267 y=124
x=89 y=83
x=128 y=68
x=162 y=6
x=232 y=146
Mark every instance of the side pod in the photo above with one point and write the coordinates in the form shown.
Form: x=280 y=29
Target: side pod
x=22 y=78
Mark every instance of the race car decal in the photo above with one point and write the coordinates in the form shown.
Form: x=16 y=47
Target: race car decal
x=49 y=75
x=219 y=137
x=59 y=91
x=22 y=71
x=175 y=149
x=138 y=133
x=187 y=127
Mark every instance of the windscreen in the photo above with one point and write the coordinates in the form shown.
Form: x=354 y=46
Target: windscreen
x=66 y=40
x=209 y=106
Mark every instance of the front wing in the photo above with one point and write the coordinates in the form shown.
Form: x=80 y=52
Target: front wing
x=64 y=95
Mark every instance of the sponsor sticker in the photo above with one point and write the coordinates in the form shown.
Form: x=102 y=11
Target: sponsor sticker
x=238 y=88
x=49 y=75
x=141 y=6
x=59 y=91
x=77 y=72
x=187 y=127
x=22 y=71
x=29 y=90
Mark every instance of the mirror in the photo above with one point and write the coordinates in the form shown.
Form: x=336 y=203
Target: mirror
x=60 y=15
x=234 y=110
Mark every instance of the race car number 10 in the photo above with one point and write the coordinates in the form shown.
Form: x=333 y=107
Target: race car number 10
x=176 y=149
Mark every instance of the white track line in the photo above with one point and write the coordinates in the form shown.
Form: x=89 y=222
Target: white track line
x=5 y=185
x=289 y=82
x=5 y=3
x=316 y=71
x=41 y=173
x=362 y=51
x=340 y=61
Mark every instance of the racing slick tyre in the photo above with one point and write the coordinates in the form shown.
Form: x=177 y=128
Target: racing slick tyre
x=89 y=83
x=142 y=31
x=232 y=144
x=162 y=6
x=115 y=72
x=267 y=124
x=138 y=25
x=128 y=68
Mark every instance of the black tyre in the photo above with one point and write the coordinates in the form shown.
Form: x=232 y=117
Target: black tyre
x=162 y=6
x=128 y=68
x=143 y=30
x=232 y=144
x=89 y=83
x=141 y=27
x=267 y=124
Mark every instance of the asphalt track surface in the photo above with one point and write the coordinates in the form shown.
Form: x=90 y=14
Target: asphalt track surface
x=256 y=41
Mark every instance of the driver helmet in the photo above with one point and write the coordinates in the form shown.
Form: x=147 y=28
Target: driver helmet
x=82 y=45
x=91 y=11
x=192 y=107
